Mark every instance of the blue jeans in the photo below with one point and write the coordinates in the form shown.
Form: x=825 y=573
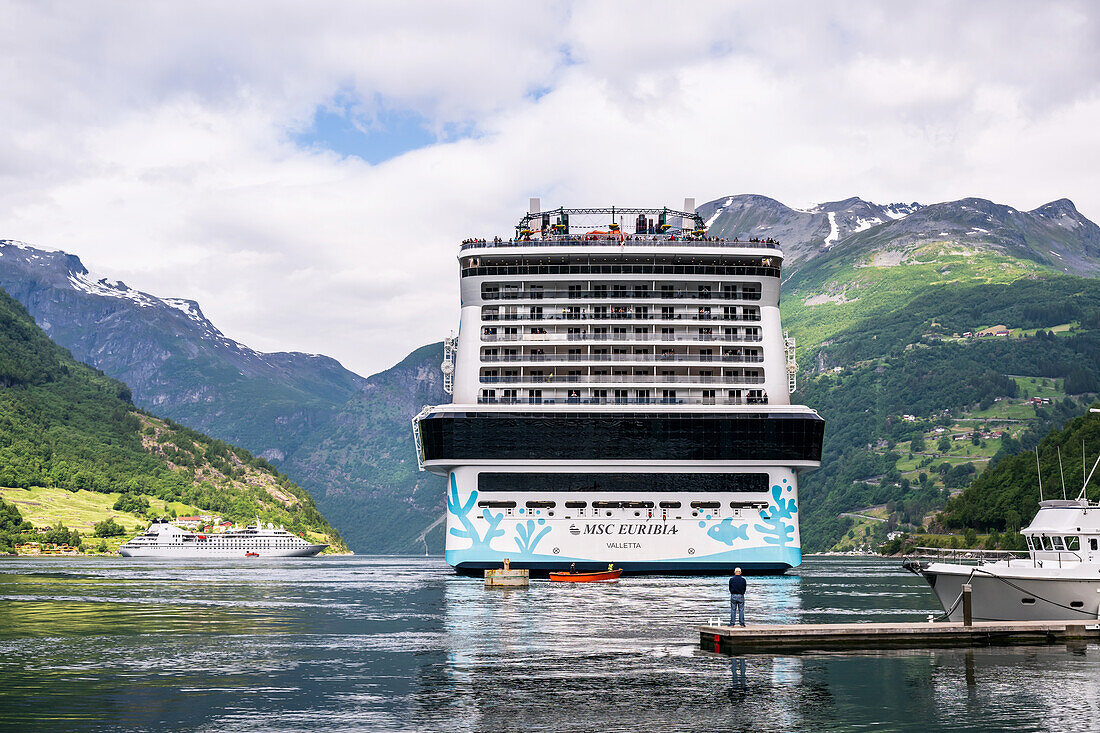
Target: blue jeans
x=737 y=609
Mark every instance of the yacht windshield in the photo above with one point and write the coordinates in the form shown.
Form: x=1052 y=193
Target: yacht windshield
x=1057 y=543
x=1073 y=543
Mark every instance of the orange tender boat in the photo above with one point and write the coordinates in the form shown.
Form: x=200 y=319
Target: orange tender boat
x=586 y=577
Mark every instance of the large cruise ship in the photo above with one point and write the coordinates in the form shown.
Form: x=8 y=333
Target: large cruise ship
x=621 y=394
x=163 y=539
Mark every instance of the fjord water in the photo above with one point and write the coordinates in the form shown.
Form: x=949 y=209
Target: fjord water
x=362 y=643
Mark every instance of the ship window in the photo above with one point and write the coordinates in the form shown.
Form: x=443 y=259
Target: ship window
x=624 y=482
x=1057 y=542
x=496 y=504
x=1046 y=542
x=1092 y=544
x=1027 y=600
x=1076 y=604
x=602 y=436
x=1073 y=543
x=705 y=505
x=576 y=504
x=541 y=504
x=670 y=505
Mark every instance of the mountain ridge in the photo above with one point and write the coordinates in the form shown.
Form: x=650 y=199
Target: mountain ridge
x=173 y=358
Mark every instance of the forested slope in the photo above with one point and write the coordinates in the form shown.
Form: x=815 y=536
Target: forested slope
x=65 y=424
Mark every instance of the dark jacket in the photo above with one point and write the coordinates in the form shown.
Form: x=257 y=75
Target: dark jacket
x=738 y=585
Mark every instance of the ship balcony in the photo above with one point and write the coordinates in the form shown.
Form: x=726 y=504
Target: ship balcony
x=623 y=379
x=637 y=358
x=566 y=400
x=633 y=316
x=626 y=240
x=630 y=337
x=633 y=294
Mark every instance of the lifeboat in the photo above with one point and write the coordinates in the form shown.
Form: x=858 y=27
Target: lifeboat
x=251 y=554
x=586 y=577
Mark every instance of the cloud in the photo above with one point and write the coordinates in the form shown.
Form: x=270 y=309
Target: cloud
x=169 y=145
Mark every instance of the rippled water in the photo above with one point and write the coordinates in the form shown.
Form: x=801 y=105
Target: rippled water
x=404 y=644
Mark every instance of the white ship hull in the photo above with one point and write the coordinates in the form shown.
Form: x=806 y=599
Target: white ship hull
x=763 y=536
x=219 y=553
x=1002 y=593
x=163 y=539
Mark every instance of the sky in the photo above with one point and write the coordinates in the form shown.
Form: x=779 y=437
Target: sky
x=306 y=170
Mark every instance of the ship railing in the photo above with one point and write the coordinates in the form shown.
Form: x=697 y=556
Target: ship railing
x=700 y=358
x=622 y=401
x=744 y=317
x=628 y=240
x=618 y=295
x=621 y=379
x=699 y=338
x=964 y=555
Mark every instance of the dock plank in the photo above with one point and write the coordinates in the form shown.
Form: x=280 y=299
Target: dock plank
x=810 y=637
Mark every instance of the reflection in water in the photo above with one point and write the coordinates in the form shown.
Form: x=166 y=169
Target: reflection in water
x=403 y=644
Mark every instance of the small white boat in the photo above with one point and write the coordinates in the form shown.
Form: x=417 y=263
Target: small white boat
x=1058 y=580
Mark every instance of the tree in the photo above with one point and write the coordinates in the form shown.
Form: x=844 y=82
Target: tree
x=108 y=528
x=970 y=537
x=944 y=445
x=917 y=445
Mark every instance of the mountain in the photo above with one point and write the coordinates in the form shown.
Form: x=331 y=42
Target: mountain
x=173 y=358
x=1055 y=235
x=879 y=312
x=67 y=425
x=804 y=233
x=362 y=463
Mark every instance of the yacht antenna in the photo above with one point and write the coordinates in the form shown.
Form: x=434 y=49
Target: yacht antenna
x=1089 y=479
x=1060 y=471
x=1039 y=471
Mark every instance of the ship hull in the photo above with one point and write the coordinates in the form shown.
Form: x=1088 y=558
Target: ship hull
x=761 y=536
x=187 y=552
x=1001 y=594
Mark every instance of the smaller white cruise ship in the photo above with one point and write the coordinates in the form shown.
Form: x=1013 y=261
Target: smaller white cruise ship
x=163 y=539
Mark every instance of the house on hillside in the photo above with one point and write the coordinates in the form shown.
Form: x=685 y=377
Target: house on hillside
x=188 y=522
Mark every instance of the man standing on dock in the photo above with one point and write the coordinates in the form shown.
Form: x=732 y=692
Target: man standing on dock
x=737 y=598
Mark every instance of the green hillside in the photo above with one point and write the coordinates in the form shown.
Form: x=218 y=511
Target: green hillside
x=829 y=295
x=1006 y=496
x=881 y=337
x=66 y=425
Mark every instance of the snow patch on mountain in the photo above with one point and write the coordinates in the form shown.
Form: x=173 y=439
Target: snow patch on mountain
x=834 y=230
x=718 y=211
x=865 y=224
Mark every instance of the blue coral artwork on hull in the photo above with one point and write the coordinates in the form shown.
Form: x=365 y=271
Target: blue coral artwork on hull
x=776 y=528
x=527 y=538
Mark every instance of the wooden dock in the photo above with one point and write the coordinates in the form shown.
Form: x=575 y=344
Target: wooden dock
x=736 y=640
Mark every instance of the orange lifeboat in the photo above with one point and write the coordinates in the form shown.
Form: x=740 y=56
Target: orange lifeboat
x=586 y=577
x=251 y=554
